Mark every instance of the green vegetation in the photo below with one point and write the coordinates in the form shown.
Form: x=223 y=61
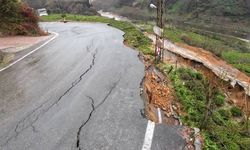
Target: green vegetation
x=5 y=58
x=232 y=50
x=72 y=17
x=238 y=59
x=17 y=19
x=226 y=114
x=219 y=100
x=212 y=7
x=236 y=112
x=133 y=36
x=221 y=131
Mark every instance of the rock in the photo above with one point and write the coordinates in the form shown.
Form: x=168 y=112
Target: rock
x=168 y=115
x=197 y=144
x=141 y=91
x=154 y=77
x=174 y=107
x=196 y=131
x=148 y=89
x=164 y=109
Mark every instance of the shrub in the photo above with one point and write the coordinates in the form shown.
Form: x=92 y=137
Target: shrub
x=226 y=114
x=244 y=143
x=8 y=10
x=232 y=145
x=236 y=112
x=219 y=100
x=209 y=143
x=18 y=18
x=218 y=119
x=199 y=76
x=63 y=15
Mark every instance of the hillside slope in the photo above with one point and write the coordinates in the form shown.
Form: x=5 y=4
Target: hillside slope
x=211 y=7
x=63 y=6
x=188 y=8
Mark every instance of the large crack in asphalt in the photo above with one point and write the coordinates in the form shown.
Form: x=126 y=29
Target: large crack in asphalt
x=33 y=116
x=94 y=108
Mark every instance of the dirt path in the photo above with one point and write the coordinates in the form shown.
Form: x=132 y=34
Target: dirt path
x=221 y=68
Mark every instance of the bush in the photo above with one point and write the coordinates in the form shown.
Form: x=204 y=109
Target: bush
x=219 y=100
x=209 y=143
x=199 y=76
x=18 y=19
x=8 y=10
x=244 y=143
x=63 y=15
x=218 y=119
x=226 y=114
x=224 y=137
x=236 y=112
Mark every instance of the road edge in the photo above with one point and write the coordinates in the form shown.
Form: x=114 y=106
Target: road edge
x=31 y=52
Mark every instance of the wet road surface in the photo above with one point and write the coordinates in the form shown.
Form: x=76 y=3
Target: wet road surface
x=81 y=91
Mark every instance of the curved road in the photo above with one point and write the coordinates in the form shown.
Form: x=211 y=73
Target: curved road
x=81 y=91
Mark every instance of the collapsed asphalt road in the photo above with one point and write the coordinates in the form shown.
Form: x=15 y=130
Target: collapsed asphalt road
x=81 y=91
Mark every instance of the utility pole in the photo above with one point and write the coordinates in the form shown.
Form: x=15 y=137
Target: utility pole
x=159 y=46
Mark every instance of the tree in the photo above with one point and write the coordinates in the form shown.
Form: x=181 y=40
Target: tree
x=8 y=9
x=18 y=18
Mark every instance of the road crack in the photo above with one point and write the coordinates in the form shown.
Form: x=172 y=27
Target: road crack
x=94 y=108
x=33 y=116
x=79 y=130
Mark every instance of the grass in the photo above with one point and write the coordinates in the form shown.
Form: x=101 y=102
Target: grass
x=133 y=36
x=230 y=49
x=5 y=58
x=221 y=131
x=71 y=17
x=239 y=60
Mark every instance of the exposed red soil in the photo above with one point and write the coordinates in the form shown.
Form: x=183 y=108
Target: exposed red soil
x=234 y=95
x=211 y=63
x=210 y=57
x=158 y=94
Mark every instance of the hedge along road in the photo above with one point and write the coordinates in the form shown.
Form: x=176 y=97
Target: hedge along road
x=80 y=91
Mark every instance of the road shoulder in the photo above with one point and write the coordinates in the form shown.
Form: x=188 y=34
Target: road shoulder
x=14 y=49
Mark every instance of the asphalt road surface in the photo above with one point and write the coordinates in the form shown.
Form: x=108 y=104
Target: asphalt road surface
x=80 y=91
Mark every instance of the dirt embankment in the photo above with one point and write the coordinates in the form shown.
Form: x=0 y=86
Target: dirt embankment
x=219 y=67
x=235 y=83
x=161 y=105
x=235 y=94
x=159 y=97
